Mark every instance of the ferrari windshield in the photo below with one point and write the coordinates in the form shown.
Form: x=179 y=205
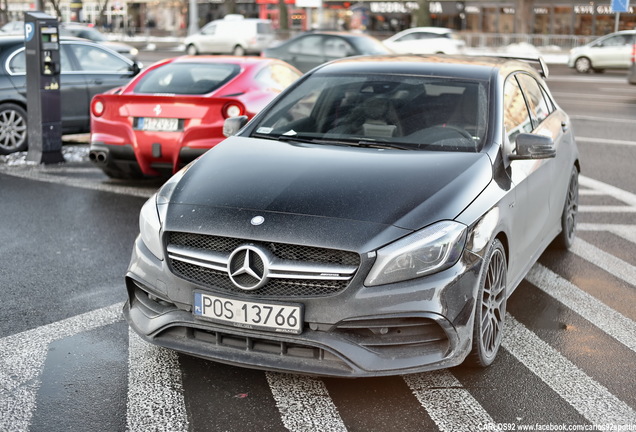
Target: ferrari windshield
x=412 y=112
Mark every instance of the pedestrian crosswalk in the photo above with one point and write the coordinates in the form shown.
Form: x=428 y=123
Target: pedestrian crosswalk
x=565 y=321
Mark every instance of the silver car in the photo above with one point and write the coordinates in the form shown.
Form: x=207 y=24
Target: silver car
x=612 y=51
x=232 y=35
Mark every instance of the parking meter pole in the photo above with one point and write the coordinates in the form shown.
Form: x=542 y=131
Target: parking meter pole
x=44 y=119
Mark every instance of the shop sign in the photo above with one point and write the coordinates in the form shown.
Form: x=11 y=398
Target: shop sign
x=308 y=3
x=435 y=7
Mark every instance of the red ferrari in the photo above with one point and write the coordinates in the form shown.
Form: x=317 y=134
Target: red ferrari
x=174 y=111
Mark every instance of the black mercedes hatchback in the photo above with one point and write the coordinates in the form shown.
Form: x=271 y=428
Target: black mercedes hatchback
x=87 y=69
x=373 y=220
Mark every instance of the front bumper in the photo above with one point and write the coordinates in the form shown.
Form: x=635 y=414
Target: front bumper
x=409 y=327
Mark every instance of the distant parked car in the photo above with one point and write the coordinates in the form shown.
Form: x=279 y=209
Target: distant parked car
x=87 y=69
x=311 y=49
x=174 y=111
x=426 y=40
x=91 y=33
x=631 y=76
x=612 y=51
x=13 y=27
x=232 y=35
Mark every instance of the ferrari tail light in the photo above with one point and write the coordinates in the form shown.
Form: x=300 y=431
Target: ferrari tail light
x=97 y=107
x=233 y=109
x=634 y=53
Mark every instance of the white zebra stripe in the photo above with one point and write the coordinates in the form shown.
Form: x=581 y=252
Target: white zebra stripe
x=620 y=194
x=22 y=358
x=450 y=406
x=155 y=388
x=304 y=403
x=628 y=232
x=592 y=400
x=608 y=262
x=597 y=313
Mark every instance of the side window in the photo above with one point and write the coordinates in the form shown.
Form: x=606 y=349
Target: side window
x=617 y=40
x=516 y=116
x=539 y=109
x=310 y=45
x=408 y=37
x=336 y=47
x=95 y=59
x=17 y=64
x=209 y=29
x=277 y=77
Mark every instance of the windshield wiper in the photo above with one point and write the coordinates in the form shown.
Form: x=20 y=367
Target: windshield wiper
x=356 y=142
x=380 y=144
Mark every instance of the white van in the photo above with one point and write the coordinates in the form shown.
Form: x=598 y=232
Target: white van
x=232 y=35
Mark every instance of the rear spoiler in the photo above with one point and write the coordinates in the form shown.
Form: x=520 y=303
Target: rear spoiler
x=542 y=69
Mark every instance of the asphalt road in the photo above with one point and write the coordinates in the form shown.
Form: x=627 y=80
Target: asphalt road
x=69 y=363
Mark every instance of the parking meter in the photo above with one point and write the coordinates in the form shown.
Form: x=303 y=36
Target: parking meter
x=44 y=118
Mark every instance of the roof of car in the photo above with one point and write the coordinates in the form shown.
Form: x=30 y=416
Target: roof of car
x=475 y=67
x=222 y=59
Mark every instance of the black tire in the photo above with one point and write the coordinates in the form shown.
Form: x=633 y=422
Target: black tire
x=238 y=51
x=583 y=65
x=13 y=129
x=490 y=310
x=192 y=50
x=570 y=212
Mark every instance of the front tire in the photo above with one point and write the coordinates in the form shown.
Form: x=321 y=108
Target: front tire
x=490 y=311
x=192 y=50
x=13 y=129
x=238 y=51
x=583 y=65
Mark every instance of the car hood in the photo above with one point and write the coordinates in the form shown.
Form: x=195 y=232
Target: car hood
x=400 y=188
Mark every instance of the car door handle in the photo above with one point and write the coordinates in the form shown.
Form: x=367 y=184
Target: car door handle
x=99 y=82
x=564 y=126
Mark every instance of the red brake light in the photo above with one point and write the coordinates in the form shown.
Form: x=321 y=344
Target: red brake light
x=233 y=109
x=97 y=107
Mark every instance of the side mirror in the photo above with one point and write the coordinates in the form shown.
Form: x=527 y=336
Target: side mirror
x=135 y=68
x=232 y=125
x=530 y=146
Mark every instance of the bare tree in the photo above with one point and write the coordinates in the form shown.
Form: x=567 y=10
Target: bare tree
x=283 y=18
x=523 y=16
x=421 y=17
x=103 y=7
x=56 y=8
x=4 y=12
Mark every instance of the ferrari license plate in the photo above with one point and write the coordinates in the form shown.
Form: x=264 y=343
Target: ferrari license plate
x=277 y=317
x=158 y=124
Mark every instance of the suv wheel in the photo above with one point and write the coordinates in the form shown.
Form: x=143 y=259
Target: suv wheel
x=583 y=65
x=13 y=128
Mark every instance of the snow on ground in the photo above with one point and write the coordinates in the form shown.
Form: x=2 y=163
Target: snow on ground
x=71 y=153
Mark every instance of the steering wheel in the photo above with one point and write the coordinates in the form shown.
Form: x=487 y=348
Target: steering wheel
x=453 y=129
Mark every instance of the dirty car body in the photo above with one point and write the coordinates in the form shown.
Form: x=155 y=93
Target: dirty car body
x=372 y=221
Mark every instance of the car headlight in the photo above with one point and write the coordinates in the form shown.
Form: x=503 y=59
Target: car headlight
x=150 y=227
x=153 y=213
x=427 y=251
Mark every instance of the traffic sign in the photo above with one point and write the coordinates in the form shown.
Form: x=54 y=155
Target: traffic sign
x=620 y=5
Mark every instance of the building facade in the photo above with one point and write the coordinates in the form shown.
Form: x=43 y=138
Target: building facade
x=560 y=17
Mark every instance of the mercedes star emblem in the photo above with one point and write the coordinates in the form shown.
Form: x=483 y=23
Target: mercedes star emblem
x=248 y=267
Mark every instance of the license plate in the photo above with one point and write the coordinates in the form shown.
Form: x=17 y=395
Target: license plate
x=283 y=318
x=158 y=124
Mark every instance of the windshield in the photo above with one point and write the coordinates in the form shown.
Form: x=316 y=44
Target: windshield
x=410 y=112
x=186 y=78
